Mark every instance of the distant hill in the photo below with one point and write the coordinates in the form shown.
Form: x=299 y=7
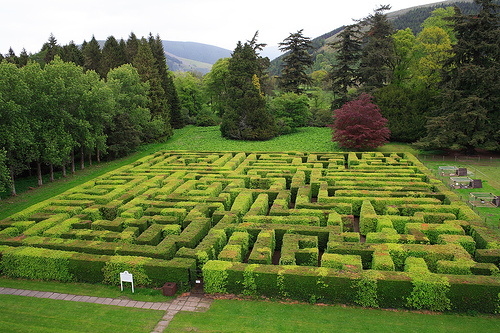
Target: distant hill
x=411 y=18
x=191 y=56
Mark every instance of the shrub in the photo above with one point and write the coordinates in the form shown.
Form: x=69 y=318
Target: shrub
x=36 y=263
x=133 y=265
x=429 y=292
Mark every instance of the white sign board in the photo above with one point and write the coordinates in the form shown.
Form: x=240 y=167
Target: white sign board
x=126 y=277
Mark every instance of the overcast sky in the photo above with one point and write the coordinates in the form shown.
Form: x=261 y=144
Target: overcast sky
x=28 y=24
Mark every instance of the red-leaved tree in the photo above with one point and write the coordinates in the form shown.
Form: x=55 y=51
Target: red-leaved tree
x=359 y=125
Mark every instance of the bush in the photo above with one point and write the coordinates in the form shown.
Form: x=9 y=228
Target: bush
x=293 y=107
x=36 y=263
x=206 y=118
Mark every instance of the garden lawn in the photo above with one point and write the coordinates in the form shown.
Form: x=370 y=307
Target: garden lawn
x=25 y=314
x=307 y=139
x=262 y=316
x=87 y=289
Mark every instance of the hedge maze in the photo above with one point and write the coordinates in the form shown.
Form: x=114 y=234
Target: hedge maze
x=361 y=228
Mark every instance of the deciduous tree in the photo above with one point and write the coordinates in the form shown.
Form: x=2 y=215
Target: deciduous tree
x=359 y=125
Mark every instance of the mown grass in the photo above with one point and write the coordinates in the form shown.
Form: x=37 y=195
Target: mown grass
x=87 y=289
x=26 y=314
x=261 y=316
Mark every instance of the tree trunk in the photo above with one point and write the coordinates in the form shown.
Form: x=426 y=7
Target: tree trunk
x=90 y=159
x=39 y=173
x=51 y=172
x=13 y=193
x=72 y=161
x=82 y=159
x=64 y=170
x=98 y=156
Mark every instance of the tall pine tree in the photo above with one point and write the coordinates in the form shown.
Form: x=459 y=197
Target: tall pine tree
x=296 y=62
x=377 y=59
x=112 y=55
x=145 y=64
x=344 y=74
x=92 y=55
x=167 y=82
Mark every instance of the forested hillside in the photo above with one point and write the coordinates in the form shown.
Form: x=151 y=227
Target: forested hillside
x=407 y=18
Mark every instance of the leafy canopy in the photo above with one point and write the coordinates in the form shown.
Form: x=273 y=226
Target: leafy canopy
x=360 y=125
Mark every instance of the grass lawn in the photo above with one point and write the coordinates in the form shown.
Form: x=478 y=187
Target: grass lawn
x=27 y=314
x=87 y=289
x=261 y=316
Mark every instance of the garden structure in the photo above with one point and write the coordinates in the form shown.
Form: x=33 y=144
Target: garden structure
x=374 y=229
x=448 y=170
x=460 y=182
x=479 y=199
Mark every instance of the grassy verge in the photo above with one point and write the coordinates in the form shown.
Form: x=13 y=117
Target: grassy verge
x=22 y=314
x=488 y=170
x=259 y=316
x=86 y=289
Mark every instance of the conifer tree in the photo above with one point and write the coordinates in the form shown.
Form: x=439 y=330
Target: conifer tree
x=51 y=49
x=23 y=58
x=246 y=116
x=167 y=82
x=92 y=55
x=344 y=73
x=11 y=56
x=377 y=58
x=71 y=53
x=468 y=116
x=145 y=64
x=132 y=47
x=296 y=62
x=112 y=55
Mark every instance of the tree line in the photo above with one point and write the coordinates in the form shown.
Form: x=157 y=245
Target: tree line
x=437 y=88
x=70 y=100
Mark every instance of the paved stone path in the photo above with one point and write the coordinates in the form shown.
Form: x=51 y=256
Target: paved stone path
x=183 y=303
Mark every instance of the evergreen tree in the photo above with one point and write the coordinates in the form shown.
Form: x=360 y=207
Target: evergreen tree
x=377 y=59
x=23 y=58
x=71 y=53
x=246 y=116
x=11 y=56
x=92 y=55
x=145 y=64
x=167 y=82
x=344 y=73
x=468 y=114
x=51 y=49
x=112 y=55
x=132 y=47
x=296 y=62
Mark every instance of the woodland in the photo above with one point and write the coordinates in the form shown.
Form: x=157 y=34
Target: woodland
x=435 y=84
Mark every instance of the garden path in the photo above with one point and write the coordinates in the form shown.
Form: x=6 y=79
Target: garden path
x=196 y=303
